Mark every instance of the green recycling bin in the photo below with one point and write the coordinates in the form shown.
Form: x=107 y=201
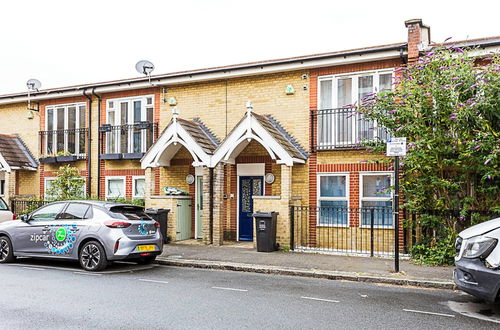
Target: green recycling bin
x=265 y=230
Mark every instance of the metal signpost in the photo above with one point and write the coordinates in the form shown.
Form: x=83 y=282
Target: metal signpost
x=396 y=147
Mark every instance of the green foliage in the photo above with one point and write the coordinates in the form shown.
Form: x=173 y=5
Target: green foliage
x=434 y=253
x=67 y=185
x=448 y=106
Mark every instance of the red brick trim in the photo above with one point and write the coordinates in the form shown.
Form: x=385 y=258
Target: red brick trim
x=352 y=167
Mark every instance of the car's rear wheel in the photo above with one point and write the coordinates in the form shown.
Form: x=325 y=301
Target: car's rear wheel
x=146 y=260
x=6 y=251
x=93 y=257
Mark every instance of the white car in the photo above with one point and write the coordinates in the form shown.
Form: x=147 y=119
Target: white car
x=5 y=213
x=478 y=260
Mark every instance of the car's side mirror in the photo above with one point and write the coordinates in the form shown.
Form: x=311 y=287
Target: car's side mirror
x=25 y=217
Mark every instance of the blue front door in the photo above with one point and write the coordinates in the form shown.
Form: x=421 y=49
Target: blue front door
x=249 y=186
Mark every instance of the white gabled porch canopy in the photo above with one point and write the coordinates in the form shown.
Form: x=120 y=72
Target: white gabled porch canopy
x=263 y=129
x=190 y=134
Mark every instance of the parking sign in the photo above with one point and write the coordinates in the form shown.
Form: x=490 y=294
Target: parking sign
x=396 y=147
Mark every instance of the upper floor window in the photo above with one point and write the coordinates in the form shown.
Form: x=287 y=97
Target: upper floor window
x=65 y=129
x=124 y=115
x=338 y=122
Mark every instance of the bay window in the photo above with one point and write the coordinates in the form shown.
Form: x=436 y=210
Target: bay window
x=65 y=129
x=125 y=115
x=333 y=194
x=338 y=122
x=376 y=194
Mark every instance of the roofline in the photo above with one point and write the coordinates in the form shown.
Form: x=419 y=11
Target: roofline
x=481 y=42
x=230 y=71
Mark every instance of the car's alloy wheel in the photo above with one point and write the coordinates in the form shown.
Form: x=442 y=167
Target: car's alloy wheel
x=93 y=257
x=6 y=251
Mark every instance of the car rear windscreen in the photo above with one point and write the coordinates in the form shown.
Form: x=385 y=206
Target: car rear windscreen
x=128 y=213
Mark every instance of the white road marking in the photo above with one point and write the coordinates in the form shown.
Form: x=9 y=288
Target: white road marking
x=128 y=270
x=320 y=299
x=152 y=281
x=33 y=268
x=230 y=289
x=41 y=266
x=430 y=313
x=363 y=295
x=90 y=274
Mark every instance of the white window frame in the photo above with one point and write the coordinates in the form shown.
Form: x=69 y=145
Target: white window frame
x=134 y=182
x=45 y=186
x=116 y=108
x=78 y=125
x=342 y=199
x=354 y=99
x=375 y=199
x=124 y=179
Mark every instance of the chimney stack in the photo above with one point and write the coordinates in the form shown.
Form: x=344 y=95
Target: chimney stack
x=419 y=37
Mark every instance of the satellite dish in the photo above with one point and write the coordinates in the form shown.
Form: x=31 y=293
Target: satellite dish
x=33 y=84
x=144 y=67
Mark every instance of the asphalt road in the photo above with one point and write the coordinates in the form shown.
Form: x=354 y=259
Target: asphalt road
x=45 y=294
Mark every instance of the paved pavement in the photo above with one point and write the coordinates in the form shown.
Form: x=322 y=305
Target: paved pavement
x=242 y=256
x=46 y=294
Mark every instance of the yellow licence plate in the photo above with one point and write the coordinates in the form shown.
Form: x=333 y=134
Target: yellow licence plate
x=142 y=248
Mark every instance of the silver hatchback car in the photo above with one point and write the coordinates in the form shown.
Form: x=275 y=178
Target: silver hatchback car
x=92 y=232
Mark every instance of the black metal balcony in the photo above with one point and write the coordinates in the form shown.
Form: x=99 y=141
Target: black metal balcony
x=64 y=145
x=343 y=128
x=127 y=141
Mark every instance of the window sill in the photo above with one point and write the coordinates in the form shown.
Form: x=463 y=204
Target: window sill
x=62 y=159
x=133 y=155
x=111 y=156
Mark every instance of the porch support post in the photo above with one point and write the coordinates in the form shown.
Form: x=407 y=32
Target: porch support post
x=10 y=189
x=283 y=226
x=218 y=205
x=149 y=183
x=205 y=213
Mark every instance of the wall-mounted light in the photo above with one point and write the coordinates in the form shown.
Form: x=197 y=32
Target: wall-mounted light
x=289 y=90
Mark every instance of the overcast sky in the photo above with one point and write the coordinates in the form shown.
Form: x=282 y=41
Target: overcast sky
x=69 y=42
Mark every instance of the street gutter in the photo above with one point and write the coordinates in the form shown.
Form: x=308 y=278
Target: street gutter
x=312 y=273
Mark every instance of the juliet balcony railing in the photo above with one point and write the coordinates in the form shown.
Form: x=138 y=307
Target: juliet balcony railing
x=63 y=145
x=127 y=141
x=343 y=128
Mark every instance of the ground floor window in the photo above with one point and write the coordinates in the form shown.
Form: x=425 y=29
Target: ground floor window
x=376 y=194
x=138 y=187
x=48 y=194
x=333 y=194
x=2 y=187
x=115 y=187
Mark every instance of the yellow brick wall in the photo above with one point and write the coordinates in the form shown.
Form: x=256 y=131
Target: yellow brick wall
x=123 y=164
x=13 y=120
x=28 y=183
x=174 y=176
x=267 y=92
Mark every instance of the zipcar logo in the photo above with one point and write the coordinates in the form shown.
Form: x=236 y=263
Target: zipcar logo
x=61 y=234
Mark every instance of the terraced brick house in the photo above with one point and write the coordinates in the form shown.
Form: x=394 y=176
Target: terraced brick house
x=214 y=145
